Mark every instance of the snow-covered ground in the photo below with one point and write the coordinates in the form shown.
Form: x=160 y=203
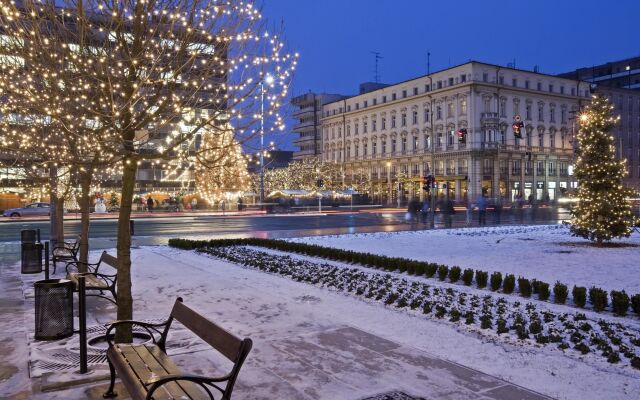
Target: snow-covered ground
x=314 y=343
x=548 y=253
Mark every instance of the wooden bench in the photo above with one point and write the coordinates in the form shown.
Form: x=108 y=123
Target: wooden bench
x=65 y=252
x=147 y=372
x=96 y=281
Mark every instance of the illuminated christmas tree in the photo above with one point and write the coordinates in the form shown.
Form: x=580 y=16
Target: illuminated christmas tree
x=604 y=210
x=221 y=167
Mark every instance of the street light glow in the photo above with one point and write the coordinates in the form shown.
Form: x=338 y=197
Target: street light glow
x=268 y=79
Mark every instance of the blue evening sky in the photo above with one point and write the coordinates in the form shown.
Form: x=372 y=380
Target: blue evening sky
x=335 y=38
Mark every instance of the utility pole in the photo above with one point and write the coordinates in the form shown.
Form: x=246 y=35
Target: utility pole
x=377 y=58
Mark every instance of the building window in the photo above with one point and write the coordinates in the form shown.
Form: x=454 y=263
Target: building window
x=552 y=114
x=393 y=121
x=450 y=81
x=439 y=84
x=463 y=107
x=526 y=84
x=501 y=80
x=415 y=143
x=364 y=126
x=439 y=143
x=393 y=96
x=393 y=145
x=357 y=147
x=528 y=109
x=561 y=89
x=356 y=128
x=333 y=133
x=539 y=85
x=438 y=112
x=374 y=148
x=373 y=124
x=415 y=117
x=552 y=140
x=366 y=104
x=450 y=137
x=384 y=99
x=348 y=108
x=563 y=115
x=426 y=115
x=375 y=101
x=404 y=94
x=450 y=110
x=529 y=139
x=514 y=82
x=503 y=108
x=550 y=88
x=404 y=119
x=404 y=144
x=427 y=141
x=541 y=112
x=339 y=132
x=426 y=88
x=463 y=78
x=573 y=91
x=384 y=123
x=347 y=155
x=383 y=145
x=415 y=91
x=364 y=149
x=540 y=140
x=348 y=130
x=357 y=106
x=485 y=77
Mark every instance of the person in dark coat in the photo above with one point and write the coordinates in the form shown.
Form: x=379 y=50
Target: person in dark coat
x=447 y=211
x=149 y=204
x=482 y=209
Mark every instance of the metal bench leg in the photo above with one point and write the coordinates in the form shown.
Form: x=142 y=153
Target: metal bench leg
x=110 y=393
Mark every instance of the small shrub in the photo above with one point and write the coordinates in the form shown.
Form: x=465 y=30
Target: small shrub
x=440 y=311
x=614 y=357
x=579 y=296
x=481 y=279
x=598 y=298
x=454 y=274
x=501 y=326
x=443 y=271
x=496 y=281
x=467 y=276
x=469 y=318
x=534 y=286
x=635 y=362
x=521 y=331
x=455 y=315
x=509 y=284
x=582 y=348
x=535 y=327
x=619 y=302
x=543 y=291
x=524 y=285
x=560 y=293
x=431 y=269
x=485 y=321
x=426 y=307
x=635 y=303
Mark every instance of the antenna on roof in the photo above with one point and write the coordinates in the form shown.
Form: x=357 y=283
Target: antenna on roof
x=428 y=62
x=377 y=58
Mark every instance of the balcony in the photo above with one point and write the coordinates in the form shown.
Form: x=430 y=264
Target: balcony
x=451 y=171
x=463 y=171
x=439 y=171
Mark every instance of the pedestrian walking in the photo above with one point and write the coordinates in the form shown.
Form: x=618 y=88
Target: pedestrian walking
x=447 y=212
x=424 y=210
x=498 y=210
x=149 y=204
x=194 y=203
x=520 y=207
x=482 y=209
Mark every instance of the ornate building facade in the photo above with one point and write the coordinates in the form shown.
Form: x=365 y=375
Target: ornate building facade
x=457 y=125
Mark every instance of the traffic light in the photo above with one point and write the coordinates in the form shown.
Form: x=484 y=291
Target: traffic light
x=319 y=183
x=428 y=182
x=517 y=127
x=462 y=135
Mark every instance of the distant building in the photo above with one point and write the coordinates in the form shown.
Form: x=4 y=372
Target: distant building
x=457 y=124
x=307 y=127
x=620 y=82
x=274 y=159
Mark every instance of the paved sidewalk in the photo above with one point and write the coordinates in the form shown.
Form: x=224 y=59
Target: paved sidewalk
x=303 y=348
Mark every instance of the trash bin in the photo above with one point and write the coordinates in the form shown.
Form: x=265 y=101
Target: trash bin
x=54 y=309
x=29 y=236
x=31 y=258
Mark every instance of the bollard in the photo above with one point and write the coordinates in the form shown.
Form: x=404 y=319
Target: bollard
x=131 y=226
x=38 y=234
x=46 y=260
x=82 y=310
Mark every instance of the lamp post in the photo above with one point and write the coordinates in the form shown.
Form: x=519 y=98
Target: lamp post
x=389 y=178
x=268 y=79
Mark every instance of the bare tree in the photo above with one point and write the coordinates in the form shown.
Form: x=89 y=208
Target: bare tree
x=138 y=80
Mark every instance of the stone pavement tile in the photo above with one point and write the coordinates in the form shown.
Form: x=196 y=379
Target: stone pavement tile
x=513 y=392
x=312 y=382
x=364 y=339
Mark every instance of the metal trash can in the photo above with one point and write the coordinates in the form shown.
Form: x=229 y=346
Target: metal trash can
x=31 y=258
x=54 y=309
x=29 y=236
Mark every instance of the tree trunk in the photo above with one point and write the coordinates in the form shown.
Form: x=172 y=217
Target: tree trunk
x=53 y=220
x=85 y=208
x=60 y=218
x=125 y=300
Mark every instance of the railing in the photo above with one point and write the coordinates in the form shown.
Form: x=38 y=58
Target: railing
x=488 y=115
x=451 y=171
x=463 y=170
x=487 y=170
x=439 y=171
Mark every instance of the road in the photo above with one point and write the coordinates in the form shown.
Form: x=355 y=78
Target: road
x=261 y=225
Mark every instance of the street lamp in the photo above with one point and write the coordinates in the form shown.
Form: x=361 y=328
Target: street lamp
x=389 y=178
x=268 y=79
x=628 y=69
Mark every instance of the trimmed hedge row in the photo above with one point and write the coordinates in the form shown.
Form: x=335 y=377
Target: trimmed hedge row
x=620 y=301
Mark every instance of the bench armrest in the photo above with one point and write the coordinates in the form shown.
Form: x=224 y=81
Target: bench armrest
x=149 y=327
x=204 y=381
x=91 y=267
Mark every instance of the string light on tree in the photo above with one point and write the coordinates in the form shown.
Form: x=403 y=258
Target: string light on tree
x=604 y=209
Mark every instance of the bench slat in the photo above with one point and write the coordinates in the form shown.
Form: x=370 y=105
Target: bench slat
x=143 y=369
x=217 y=337
x=193 y=390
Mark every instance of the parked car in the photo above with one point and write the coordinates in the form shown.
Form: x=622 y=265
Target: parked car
x=28 y=210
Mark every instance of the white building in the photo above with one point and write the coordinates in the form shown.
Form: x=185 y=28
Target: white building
x=404 y=131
